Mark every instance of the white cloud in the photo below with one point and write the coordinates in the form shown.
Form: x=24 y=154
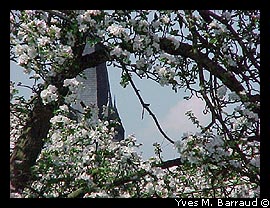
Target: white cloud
x=174 y=124
x=177 y=121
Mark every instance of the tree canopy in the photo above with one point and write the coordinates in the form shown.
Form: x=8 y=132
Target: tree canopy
x=213 y=55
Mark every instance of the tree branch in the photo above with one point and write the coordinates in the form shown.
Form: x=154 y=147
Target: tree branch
x=234 y=33
x=29 y=144
x=186 y=50
x=170 y=163
x=146 y=106
x=58 y=14
x=226 y=77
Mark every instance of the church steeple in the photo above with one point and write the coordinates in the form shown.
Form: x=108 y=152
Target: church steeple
x=96 y=92
x=114 y=115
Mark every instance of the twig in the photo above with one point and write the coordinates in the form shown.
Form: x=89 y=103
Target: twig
x=58 y=14
x=145 y=105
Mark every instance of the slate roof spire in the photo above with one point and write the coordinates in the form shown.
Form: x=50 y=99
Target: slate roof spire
x=96 y=92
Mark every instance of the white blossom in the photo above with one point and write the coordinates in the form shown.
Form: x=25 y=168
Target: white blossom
x=242 y=92
x=140 y=63
x=178 y=145
x=138 y=43
x=64 y=108
x=165 y=19
x=156 y=46
x=70 y=82
x=227 y=15
x=214 y=25
x=48 y=95
x=133 y=22
x=59 y=119
x=83 y=27
x=101 y=194
x=70 y=38
x=74 y=86
x=169 y=58
x=23 y=59
x=80 y=18
x=150 y=188
x=235 y=163
x=250 y=114
x=217 y=141
x=148 y=51
x=116 y=30
x=19 y=49
x=117 y=51
x=93 y=12
x=230 y=60
x=165 y=75
x=255 y=161
x=32 y=52
x=43 y=41
x=56 y=30
x=143 y=25
x=40 y=24
x=66 y=50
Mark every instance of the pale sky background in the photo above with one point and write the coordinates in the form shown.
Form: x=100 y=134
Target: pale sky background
x=168 y=106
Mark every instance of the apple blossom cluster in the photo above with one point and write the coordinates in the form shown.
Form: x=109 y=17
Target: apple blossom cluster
x=118 y=31
x=165 y=75
x=89 y=144
x=77 y=152
x=86 y=21
x=60 y=119
x=200 y=149
x=218 y=29
x=144 y=43
x=49 y=94
x=38 y=42
x=74 y=86
x=74 y=154
x=119 y=52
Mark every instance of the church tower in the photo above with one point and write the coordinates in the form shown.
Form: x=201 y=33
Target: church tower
x=96 y=92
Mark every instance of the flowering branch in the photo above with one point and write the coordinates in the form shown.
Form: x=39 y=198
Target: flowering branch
x=214 y=68
x=186 y=50
x=236 y=36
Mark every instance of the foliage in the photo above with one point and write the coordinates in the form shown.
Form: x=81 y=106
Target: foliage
x=214 y=55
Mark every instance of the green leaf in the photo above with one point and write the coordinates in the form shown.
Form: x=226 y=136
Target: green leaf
x=124 y=80
x=213 y=40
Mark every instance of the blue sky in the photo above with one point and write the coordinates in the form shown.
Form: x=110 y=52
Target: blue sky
x=168 y=106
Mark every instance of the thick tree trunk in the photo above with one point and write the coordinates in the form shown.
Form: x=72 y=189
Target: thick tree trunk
x=29 y=144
